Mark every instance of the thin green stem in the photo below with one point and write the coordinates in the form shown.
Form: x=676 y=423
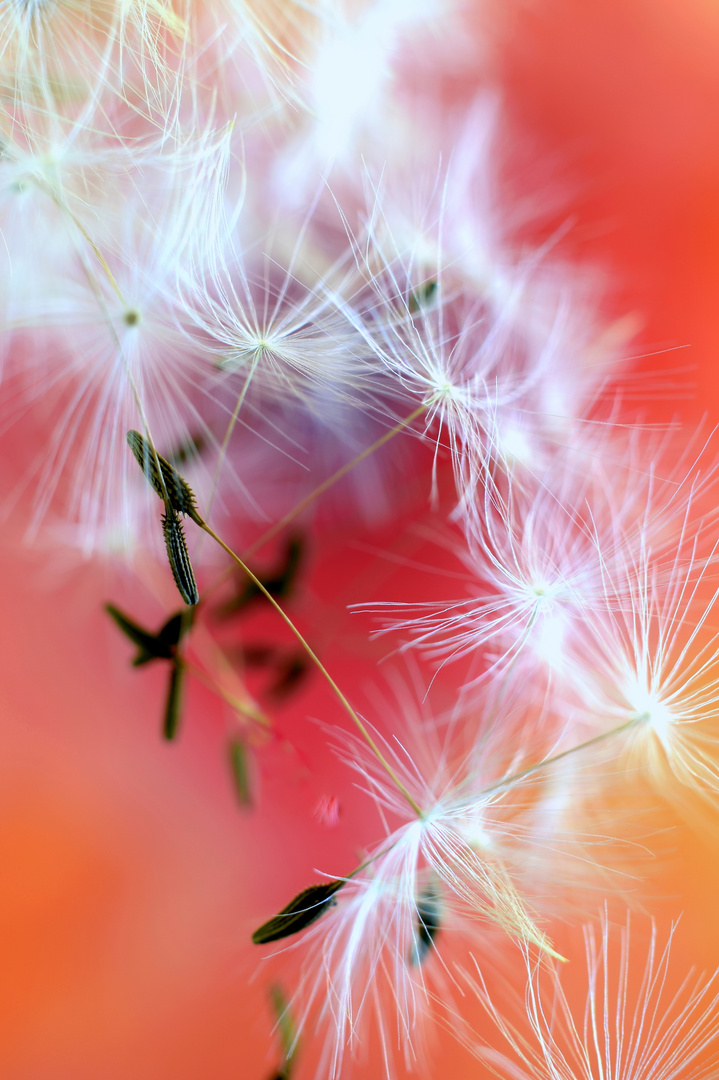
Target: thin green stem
x=331 y=480
x=361 y=727
x=98 y=254
x=509 y=781
x=321 y=488
x=230 y=428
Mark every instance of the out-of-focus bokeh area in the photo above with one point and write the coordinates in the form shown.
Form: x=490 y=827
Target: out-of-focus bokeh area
x=131 y=878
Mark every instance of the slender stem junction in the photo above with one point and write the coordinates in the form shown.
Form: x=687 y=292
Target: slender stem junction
x=359 y=724
x=179 y=499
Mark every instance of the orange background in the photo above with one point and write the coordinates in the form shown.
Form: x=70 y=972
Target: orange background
x=130 y=878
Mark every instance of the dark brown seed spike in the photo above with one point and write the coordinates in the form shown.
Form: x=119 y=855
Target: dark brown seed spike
x=166 y=481
x=173 y=704
x=172 y=632
x=301 y=912
x=146 y=460
x=178 y=557
x=150 y=646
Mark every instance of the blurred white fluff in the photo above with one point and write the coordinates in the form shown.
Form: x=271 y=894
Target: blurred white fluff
x=103 y=349
x=636 y=1023
x=650 y=660
x=366 y=963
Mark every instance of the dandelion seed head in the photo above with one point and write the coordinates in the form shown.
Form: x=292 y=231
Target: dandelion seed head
x=536 y=559
x=648 y=706
x=647 y=658
x=276 y=353
x=282 y=331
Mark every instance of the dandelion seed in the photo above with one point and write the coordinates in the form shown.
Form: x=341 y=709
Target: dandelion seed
x=150 y=646
x=116 y=253
x=281 y=336
x=649 y=654
x=179 y=558
x=159 y=646
x=360 y=961
x=358 y=953
x=173 y=706
x=165 y=480
x=452 y=869
x=301 y=912
x=537 y=561
x=465 y=833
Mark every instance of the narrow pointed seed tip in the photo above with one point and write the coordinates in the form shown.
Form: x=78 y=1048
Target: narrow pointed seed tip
x=301 y=912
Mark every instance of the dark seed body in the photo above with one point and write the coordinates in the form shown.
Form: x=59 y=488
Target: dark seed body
x=240 y=772
x=150 y=646
x=302 y=911
x=166 y=480
x=159 y=646
x=178 y=557
x=428 y=923
x=173 y=704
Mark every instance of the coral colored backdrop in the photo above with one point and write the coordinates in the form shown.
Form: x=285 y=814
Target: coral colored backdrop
x=130 y=878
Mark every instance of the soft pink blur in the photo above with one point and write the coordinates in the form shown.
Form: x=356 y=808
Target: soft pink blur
x=131 y=878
